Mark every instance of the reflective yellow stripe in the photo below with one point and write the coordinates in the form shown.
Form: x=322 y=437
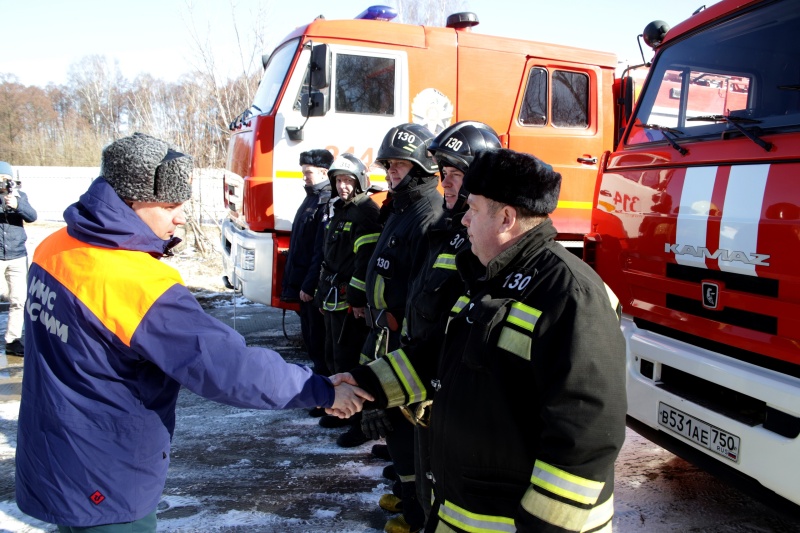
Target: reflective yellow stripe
x=347 y=226
x=567 y=204
x=408 y=376
x=365 y=239
x=515 y=342
x=445 y=261
x=364 y=359
x=567 y=516
x=288 y=174
x=391 y=387
x=377 y=292
x=404 y=328
x=523 y=316
x=473 y=522
x=566 y=485
x=407 y=479
x=460 y=304
x=358 y=284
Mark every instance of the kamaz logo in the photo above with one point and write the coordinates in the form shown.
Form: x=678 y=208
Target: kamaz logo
x=720 y=254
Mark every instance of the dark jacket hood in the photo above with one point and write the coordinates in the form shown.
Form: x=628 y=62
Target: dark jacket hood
x=101 y=218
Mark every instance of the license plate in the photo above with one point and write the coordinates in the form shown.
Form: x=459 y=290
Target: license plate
x=702 y=433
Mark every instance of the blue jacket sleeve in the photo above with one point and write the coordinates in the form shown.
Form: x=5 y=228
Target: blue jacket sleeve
x=212 y=360
x=25 y=209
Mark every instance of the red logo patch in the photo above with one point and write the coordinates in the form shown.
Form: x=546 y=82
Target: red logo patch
x=97 y=498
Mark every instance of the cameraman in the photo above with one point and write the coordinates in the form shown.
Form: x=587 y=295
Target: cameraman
x=13 y=254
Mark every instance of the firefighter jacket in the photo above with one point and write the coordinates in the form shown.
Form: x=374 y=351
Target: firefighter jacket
x=396 y=260
x=13 y=234
x=305 y=244
x=112 y=334
x=403 y=376
x=530 y=409
x=350 y=238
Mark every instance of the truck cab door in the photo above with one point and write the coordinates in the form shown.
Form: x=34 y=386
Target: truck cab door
x=560 y=118
x=367 y=94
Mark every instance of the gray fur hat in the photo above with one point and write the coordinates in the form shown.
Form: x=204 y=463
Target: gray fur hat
x=514 y=178
x=317 y=158
x=146 y=169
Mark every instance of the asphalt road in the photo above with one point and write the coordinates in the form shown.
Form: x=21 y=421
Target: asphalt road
x=242 y=470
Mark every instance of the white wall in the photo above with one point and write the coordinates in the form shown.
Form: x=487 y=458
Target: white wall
x=52 y=189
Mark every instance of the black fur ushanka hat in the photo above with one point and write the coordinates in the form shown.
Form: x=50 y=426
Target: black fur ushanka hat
x=317 y=158
x=514 y=178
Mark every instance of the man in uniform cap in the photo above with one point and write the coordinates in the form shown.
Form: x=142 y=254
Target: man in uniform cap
x=529 y=414
x=306 y=250
x=112 y=335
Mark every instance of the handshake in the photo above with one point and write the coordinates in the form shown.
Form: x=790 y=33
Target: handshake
x=349 y=398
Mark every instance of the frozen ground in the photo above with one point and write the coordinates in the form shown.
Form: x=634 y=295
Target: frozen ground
x=237 y=470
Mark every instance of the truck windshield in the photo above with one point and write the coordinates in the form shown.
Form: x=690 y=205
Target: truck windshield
x=274 y=76
x=741 y=74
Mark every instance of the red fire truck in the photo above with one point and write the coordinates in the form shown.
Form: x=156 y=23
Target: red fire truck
x=696 y=228
x=342 y=84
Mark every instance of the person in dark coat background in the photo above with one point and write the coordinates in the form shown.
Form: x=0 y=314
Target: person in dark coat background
x=15 y=211
x=301 y=275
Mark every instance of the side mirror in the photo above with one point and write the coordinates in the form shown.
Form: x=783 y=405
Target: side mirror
x=264 y=60
x=314 y=104
x=320 y=66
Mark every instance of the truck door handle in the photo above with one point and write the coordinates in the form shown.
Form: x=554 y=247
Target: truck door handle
x=587 y=160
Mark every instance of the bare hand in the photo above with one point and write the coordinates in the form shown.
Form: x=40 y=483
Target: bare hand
x=11 y=201
x=349 y=400
x=358 y=312
x=344 y=377
x=305 y=297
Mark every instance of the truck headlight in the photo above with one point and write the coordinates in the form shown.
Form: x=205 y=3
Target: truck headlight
x=246 y=258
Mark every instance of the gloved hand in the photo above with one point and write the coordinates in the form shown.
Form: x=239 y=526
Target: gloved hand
x=375 y=424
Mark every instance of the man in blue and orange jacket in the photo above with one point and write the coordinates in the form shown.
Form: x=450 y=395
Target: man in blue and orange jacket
x=112 y=335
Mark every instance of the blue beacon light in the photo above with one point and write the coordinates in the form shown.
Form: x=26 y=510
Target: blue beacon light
x=378 y=13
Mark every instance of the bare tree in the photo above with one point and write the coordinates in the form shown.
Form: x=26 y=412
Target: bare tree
x=98 y=88
x=227 y=98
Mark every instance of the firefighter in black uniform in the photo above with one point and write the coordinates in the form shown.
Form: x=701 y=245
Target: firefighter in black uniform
x=301 y=274
x=402 y=376
x=413 y=205
x=350 y=238
x=530 y=403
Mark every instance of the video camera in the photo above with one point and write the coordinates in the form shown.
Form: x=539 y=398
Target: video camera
x=7 y=187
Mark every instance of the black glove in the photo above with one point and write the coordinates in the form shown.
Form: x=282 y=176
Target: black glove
x=375 y=424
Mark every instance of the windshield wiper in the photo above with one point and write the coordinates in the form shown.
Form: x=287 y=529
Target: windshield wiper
x=668 y=135
x=737 y=122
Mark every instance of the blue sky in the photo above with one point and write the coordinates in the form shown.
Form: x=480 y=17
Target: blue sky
x=41 y=38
